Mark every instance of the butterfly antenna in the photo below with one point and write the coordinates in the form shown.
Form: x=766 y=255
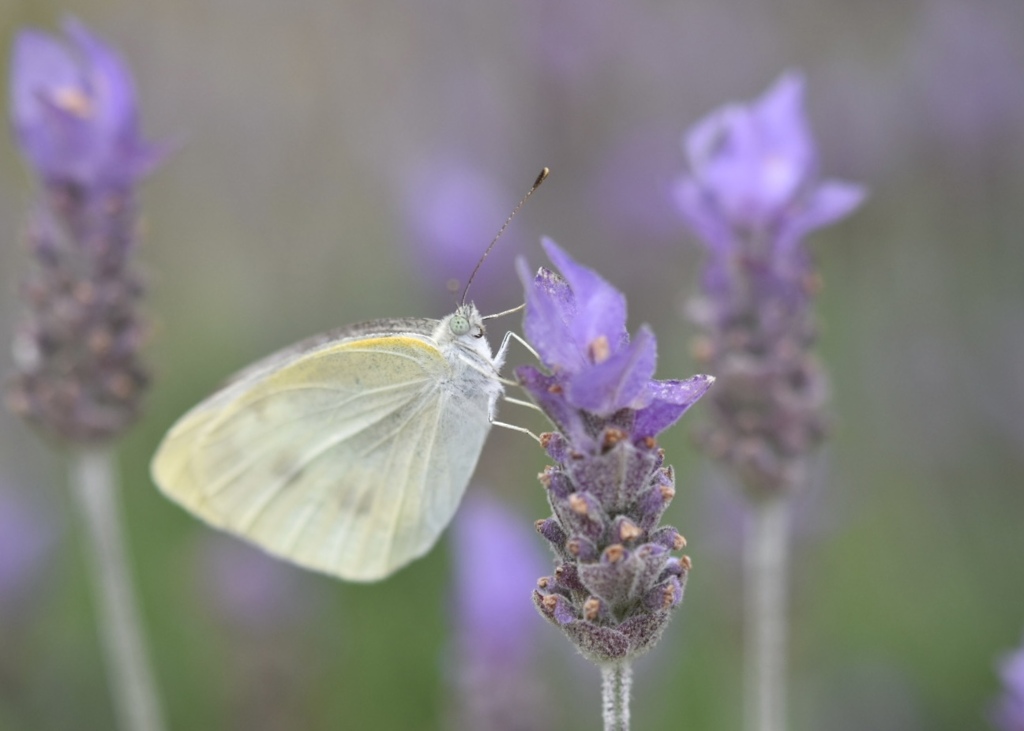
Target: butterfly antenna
x=536 y=184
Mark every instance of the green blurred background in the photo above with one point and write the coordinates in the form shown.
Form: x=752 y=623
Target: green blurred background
x=340 y=161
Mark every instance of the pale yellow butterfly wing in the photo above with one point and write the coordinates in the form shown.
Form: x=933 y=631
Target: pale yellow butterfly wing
x=349 y=459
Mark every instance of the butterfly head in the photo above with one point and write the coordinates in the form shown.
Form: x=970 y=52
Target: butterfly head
x=464 y=323
x=465 y=330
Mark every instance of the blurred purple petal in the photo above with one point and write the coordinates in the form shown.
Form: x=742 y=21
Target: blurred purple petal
x=451 y=210
x=74 y=109
x=247 y=587
x=699 y=211
x=829 y=202
x=27 y=535
x=1008 y=712
x=497 y=564
x=751 y=161
x=669 y=401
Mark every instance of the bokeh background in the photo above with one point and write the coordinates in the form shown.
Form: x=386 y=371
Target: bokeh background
x=340 y=160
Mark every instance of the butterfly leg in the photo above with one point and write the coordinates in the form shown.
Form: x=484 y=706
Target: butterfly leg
x=503 y=348
x=520 y=429
x=521 y=402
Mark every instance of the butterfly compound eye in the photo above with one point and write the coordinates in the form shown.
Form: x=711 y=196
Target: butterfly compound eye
x=459 y=325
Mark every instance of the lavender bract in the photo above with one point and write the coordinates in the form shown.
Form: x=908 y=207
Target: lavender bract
x=75 y=117
x=615 y=582
x=751 y=196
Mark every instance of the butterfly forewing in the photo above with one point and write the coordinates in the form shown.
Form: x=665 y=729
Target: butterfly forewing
x=350 y=458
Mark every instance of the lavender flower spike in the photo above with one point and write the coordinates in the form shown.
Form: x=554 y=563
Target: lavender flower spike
x=751 y=196
x=616 y=581
x=1008 y=713
x=75 y=118
x=79 y=378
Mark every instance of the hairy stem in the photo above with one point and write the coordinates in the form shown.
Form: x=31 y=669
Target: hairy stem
x=94 y=484
x=616 y=686
x=766 y=562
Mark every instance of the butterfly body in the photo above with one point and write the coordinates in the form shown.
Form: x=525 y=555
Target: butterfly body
x=347 y=453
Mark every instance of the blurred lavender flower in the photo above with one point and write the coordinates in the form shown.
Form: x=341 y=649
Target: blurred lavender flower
x=27 y=535
x=496 y=564
x=75 y=118
x=248 y=589
x=751 y=196
x=452 y=209
x=262 y=607
x=963 y=61
x=78 y=374
x=615 y=582
x=1008 y=713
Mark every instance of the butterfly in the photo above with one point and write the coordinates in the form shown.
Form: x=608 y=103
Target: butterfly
x=347 y=453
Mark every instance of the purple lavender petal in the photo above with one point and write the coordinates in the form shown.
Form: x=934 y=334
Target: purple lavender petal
x=106 y=77
x=751 y=161
x=619 y=381
x=829 y=202
x=74 y=110
x=550 y=309
x=700 y=211
x=670 y=400
x=600 y=308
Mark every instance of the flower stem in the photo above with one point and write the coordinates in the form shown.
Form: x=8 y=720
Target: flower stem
x=616 y=686
x=766 y=576
x=94 y=484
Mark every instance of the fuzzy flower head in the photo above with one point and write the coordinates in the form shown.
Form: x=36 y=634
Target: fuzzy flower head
x=751 y=195
x=753 y=171
x=1008 y=713
x=79 y=375
x=616 y=581
x=74 y=110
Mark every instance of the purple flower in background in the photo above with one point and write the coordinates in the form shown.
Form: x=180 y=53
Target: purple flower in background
x=26 y=537
x=1008 y=713
x=452 y=211
x=615 y=582
x=74 y=109
x=248 y=588
x=496 y=565
x=753 y=175
x=751 y=196
x=79 y=376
